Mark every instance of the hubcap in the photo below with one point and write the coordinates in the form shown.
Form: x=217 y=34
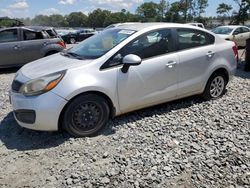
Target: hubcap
x=217 y=86
x=72 y=41
x=86 y=116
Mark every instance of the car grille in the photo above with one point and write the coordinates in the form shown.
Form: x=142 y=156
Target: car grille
x=16 y=85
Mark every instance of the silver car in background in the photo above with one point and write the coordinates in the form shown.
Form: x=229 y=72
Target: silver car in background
x=21 y=45
x=119 y=70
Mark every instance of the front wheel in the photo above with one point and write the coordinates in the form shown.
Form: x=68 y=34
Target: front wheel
x=215 y=87
x=85 y=115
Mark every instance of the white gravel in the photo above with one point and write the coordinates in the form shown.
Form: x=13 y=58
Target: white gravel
x=186 y=143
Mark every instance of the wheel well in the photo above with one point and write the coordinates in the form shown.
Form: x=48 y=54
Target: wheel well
x=50 y=53
x=223 y=71
x=110 y=104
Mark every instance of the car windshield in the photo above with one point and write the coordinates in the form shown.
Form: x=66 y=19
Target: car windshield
x=98 y=45
x=222 y=30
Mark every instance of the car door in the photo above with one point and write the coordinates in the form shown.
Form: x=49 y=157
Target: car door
x=10 y=47
x=32 y=44
x=84 y=34
x=196 y=53
x=245 y=35
x=155 y=79
x=238 y=36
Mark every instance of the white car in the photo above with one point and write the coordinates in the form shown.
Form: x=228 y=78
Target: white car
x=197 y=25
x=236 y=33
x=120 y=70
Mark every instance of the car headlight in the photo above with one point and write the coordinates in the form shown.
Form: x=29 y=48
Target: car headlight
x=42 y=85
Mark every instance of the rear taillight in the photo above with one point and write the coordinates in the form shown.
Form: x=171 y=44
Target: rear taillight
x=235 y=49
x=61 y=43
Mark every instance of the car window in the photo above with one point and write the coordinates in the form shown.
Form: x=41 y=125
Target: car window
x=222 y=30
x=9 y=35
x=52 y=33
x=189 y=38
x=237 y=31
x=245 y=30
x=98 y=45
x=32 y=35
x=146 y=46
x=149 y=45
x=200 y=25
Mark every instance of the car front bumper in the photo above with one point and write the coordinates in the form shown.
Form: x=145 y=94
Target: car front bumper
x=37 y=112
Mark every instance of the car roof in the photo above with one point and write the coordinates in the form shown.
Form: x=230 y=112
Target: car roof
x=39 y=28
x=232 y=26
x=141 y=26
x=31 y=28
x=194 y=23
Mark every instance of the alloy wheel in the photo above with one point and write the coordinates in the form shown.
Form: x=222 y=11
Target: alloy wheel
x=217 y=86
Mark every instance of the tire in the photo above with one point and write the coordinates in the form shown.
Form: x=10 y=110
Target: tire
x=216 y=86
x=86 y=115
x=72 y=40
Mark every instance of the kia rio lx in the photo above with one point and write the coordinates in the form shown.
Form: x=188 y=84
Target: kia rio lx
x=119 y=70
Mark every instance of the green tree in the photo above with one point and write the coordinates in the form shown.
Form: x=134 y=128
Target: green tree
x=26 y=21
x=99 y=18
x=201 y=6
x=242 y=15
x=162 y=8
x=77 y=19
x=186 y=6
x=174 y=13
x=224 y=8
x=41 y=20
x=149 y=11
x=57 y=20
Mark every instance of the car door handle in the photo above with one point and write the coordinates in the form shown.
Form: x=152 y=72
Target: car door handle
x=210 y=54
x=171 y=64
x=45 y=44
x=16 y=47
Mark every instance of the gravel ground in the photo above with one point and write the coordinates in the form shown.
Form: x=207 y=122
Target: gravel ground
x=186 y=143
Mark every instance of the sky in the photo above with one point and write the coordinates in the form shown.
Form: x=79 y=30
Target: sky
x=30 y=8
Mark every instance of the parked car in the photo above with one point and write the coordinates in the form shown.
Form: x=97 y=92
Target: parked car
x=50 y=30
x=73 y=36
x=197 y=25
x=121 y=70
x=84 y=34
x=20 y=45
x=68 y=36
x=236 y=33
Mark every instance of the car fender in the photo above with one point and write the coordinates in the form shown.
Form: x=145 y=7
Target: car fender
x=79 y=82
x=51 y=47
x=212 y=70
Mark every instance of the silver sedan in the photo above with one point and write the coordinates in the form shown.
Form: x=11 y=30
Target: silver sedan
x=119 y=70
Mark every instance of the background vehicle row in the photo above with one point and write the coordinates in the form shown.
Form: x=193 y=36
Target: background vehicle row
x=20 y=45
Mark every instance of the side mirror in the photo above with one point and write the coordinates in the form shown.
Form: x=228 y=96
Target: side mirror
x=130 y=60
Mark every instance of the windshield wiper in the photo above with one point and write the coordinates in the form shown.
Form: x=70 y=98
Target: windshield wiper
x=72 y=54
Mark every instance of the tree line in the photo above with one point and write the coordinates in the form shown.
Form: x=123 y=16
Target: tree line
x=181 y=11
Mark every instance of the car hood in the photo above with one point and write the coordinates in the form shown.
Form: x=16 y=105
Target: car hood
x=51 y=64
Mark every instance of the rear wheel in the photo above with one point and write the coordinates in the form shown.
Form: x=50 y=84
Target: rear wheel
x=72 y=40
x=215 y=87
x=86 y=115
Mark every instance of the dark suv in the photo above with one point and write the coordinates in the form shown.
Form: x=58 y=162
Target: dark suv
x=71 y=37
x=20 y=45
